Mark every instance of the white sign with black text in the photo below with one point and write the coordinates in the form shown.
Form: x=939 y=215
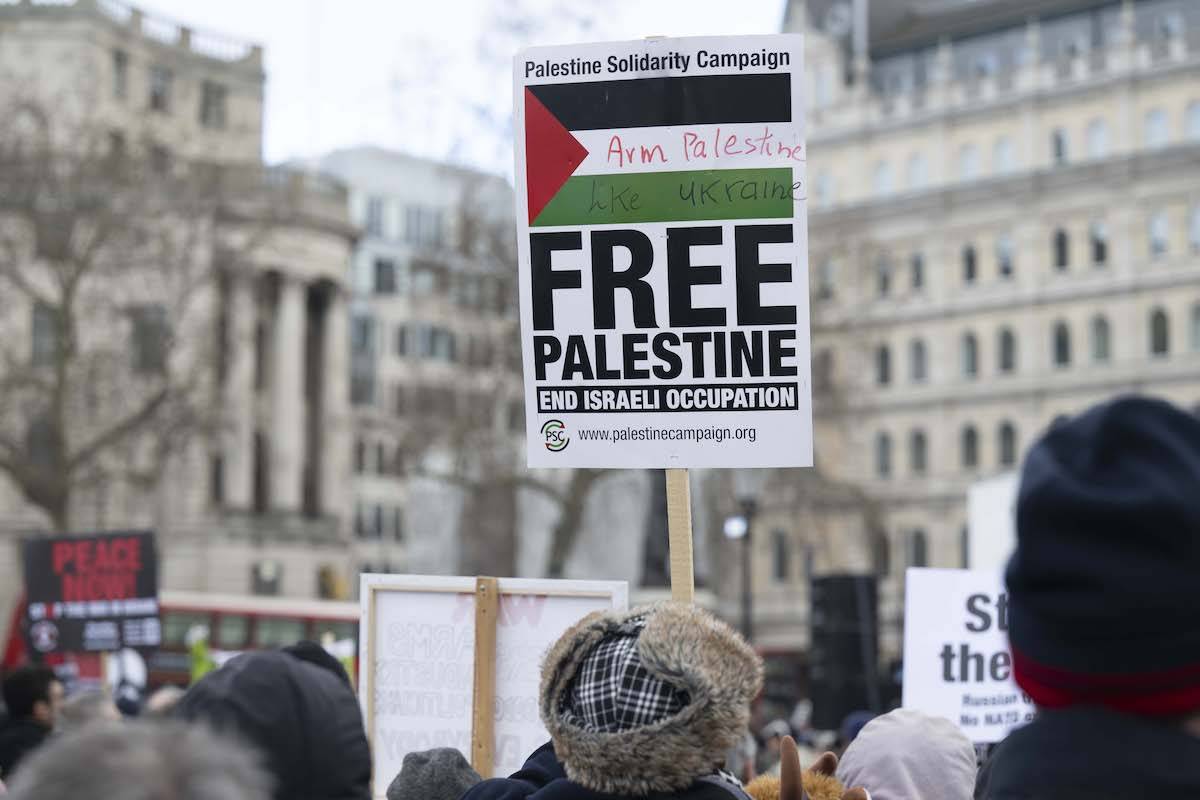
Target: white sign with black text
x=661 y=222
x=957 y=662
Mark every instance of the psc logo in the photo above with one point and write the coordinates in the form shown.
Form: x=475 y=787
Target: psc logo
x=554 y=432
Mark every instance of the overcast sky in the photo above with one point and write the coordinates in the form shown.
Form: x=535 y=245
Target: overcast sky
x=421 y=75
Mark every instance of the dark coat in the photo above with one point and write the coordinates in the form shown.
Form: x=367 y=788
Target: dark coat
x=1092 y=754
x=18 y=738
x=543 y=778
x=303 y=717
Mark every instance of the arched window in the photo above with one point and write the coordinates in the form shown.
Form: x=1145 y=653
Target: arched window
x=1158 y=132
x=1101 y=340
x=1193 y=120
x=1098 y=236
x=883 y=365
x=1160 y=333
x=1159 y=234
x=918 y=361
x=918 y=549
x=970 y=356
x=1097 y=136
x=1195 y=332
x=1007 y=444
x=969 y=445
x=970 y=264
x=1007 y=345
x=1004 y=160
x=781 y=553
x=968 y=162
x=918 y=452
x=1058 y=147
x=883 y=455
x=881 y=553
x=1062 y=345
x=883 y=179
x=1062 y=250
x=918 y=171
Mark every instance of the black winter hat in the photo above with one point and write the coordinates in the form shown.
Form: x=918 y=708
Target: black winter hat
x=303 y=717
x=1102 y=607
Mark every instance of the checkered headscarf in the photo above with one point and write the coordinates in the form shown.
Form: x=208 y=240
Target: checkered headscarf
x=613 y=692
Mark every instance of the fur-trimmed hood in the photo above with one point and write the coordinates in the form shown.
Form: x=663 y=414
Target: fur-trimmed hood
x=689 y=649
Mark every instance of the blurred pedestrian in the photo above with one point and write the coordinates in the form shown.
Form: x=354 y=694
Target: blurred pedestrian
x=439 y=774
x=639 y=703
x=772 y=737
x=905 y=755
x=143 y=761
x=34 y=697
x=303 y=716
x=84 y=708
x=1102 y=611
x=854 y=722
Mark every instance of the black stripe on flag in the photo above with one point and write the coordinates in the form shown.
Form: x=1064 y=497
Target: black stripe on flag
x=651 y=102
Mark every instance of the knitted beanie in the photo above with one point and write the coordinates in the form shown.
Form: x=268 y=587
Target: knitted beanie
x=439 y=774
x=1102 y=607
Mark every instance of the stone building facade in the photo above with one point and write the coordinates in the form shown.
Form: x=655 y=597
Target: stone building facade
x=261 y=501
x=1005 y=229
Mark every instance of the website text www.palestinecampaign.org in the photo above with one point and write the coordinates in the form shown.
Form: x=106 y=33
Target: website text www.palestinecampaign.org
x=650 y=434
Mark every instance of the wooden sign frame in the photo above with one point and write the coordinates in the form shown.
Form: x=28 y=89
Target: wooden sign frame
x=487 y=592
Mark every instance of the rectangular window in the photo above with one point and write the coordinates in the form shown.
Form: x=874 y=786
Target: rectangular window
x=398 y=524
x=1099 y=239
x=213 y=99
x=216 y=494
x=883 y=279
x=918 y=272
x=1160 y=235
x=385 y=276
x=1004 y=256
x=150 y=334
x=362 y=335
x=825 y=279
x=45 y=335
x=374 y=224
x=161 y=79
x=120 y=64
x=401 y=340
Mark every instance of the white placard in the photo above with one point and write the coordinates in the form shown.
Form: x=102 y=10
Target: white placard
x=957 y=662
x=416 y=661
x=662 y=236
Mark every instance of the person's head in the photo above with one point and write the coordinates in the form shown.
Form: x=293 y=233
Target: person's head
x=439 y=774
x=647 y=700
x=85 y=708
x=142 y=761
x=1100 y=589
x=773 y=733
x=33 y=693
x=905 y=754
x=304 y=718
x=854 y=722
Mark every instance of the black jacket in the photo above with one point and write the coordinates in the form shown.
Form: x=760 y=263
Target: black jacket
x=304 y=718
x=543 y=778
x=1092 y=754
x=17 y=739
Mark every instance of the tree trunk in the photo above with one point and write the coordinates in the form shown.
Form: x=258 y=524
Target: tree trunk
x=570 y=520
x=487 y=530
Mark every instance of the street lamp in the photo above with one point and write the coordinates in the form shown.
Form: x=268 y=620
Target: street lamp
x=747 y=486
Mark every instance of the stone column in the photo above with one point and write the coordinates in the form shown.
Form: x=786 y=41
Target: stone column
x=240 y=393
x=334 y=469
x=287 y=396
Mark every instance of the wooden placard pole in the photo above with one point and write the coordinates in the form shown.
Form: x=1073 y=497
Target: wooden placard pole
x=483 y=711
x=679 y=531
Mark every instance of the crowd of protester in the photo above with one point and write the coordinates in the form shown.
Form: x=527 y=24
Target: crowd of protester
x=655 y=702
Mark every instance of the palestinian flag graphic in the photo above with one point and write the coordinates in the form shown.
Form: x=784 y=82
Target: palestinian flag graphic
x=705 y=139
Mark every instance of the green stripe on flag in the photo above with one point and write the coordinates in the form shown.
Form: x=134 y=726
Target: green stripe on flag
x=672 y=197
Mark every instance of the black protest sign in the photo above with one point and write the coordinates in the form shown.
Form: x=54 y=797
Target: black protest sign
x=92 y=593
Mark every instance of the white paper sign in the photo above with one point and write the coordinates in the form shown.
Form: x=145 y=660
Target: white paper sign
x=662 y=234
x=416 y=661
x=957 y=663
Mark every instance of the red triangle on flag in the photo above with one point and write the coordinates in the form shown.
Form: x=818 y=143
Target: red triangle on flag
x=552 y=154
